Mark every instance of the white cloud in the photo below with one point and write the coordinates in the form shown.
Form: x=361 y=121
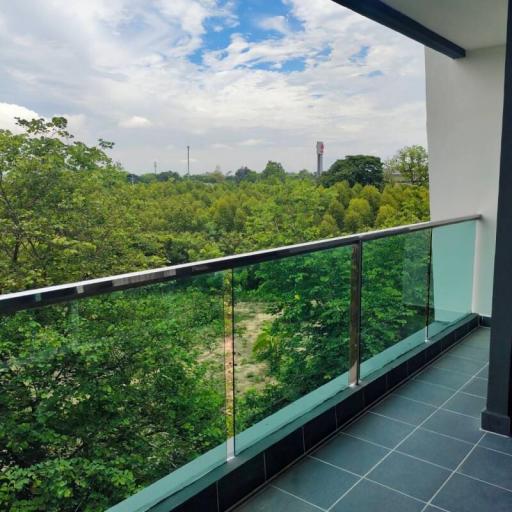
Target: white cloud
x=252 y=142
x=8 y=113
x=102 y=61
x=135 y=122
x=276 y=23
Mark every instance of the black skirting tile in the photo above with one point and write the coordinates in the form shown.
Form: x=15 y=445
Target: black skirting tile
x=241 y=482
x=485 y=321
x=350 y=407
x=374 y=390
x=205 y=500
x=284 y=452
x=448 y=340
x=416 y=362
x=433 y=350
x=319 y=428
x=397 y=375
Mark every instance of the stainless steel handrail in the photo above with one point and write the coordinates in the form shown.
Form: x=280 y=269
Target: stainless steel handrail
x=17 y=301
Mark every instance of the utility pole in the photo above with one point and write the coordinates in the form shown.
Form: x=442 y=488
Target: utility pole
x=188 y=160
x=320 y=158
x=154 y=166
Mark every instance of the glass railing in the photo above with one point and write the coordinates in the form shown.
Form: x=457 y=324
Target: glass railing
x=451 y=279
x=108 y=386
x=395 y=283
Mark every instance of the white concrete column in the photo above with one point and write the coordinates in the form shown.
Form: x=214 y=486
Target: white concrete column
x=464 y=113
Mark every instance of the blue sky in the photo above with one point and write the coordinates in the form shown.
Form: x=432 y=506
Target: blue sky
x=240 y=81
x=252 y=16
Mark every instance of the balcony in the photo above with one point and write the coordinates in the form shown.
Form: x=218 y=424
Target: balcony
x=203 y=382
x=420 y=448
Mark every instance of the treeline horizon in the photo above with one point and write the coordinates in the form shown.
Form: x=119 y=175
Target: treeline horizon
x=68 y=212
x=409 y=165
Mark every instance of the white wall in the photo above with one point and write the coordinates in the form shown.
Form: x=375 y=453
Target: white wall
x=464 y=112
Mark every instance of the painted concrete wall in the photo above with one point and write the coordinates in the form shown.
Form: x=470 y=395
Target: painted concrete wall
x=464 y=112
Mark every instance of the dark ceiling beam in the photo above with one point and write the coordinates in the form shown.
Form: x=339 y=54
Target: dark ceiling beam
x=385 y=15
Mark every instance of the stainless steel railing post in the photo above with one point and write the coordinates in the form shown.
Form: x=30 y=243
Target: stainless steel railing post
x=356 y=281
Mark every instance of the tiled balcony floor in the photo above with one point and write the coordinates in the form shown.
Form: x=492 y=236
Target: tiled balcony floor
x=420 y=449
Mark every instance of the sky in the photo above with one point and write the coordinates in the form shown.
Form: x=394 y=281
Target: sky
x=239 y=81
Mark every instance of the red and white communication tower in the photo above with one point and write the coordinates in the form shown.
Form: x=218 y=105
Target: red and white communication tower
x=320 y=157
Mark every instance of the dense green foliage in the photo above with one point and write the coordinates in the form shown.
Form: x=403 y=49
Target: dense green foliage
x=102 y=396
x=92 y=407
x=410 y=164
x=362 y=169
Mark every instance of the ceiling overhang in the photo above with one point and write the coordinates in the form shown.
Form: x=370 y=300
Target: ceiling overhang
x=396 y=20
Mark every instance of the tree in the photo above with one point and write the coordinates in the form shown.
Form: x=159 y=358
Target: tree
x=305 y=174
x=57 y=196
x=245 y=174
x=359 y=215
x=409 y=164
x=94 y=409
x=362 y=169
x=274 y=170
x=337 y=211
x=372 y=195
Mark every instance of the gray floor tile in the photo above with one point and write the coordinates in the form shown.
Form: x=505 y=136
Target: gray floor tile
x=445 y=378
x=369 y=497
x=458 y=364
x=471 y=352
x=271 y=499
x=435 y=448
x=410 y=476
x=383 y=431
x=476 y=387
x=495 y=442
x=463 y=494
x=490 y=466
x=424 y=392
x=465 y=404
x=455 y=425
x=484 y=374
x=351 y=454
x=400 y=408
x=316 y=482
x=478 y=339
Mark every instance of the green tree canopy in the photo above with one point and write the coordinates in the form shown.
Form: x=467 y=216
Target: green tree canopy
x=410 y=164
x=245 y=174
x=362 y=169
x=359 y=215
x=56 y=208
x=274 y=170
